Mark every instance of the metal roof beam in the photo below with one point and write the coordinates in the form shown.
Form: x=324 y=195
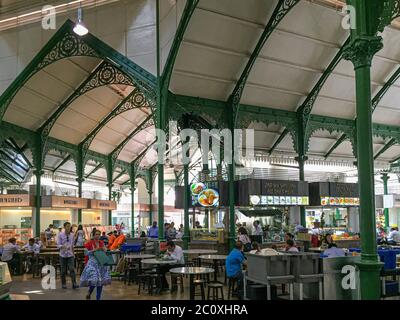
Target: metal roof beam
x=64 y=161
x=378 y=97
x=180 y=32
x=278 y=141
x=94 y=170
x=375 y=101
x=119 y=175
x=282 y=8
x=143 y=125
x=132 y=101
x=388 y=145
x=337 y=143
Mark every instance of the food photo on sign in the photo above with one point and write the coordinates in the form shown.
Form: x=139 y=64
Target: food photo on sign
x=204 y=196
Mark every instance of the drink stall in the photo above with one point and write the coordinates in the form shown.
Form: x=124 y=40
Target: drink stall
x=16 y=217
x=334 y=209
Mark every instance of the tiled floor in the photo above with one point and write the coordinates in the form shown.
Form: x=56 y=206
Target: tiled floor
x=24 y=287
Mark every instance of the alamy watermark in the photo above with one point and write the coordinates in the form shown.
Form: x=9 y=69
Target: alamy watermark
x=225 y=145
x=49 y=17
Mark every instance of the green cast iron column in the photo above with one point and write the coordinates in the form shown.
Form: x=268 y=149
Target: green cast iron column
x=360 y=51
x=186 y=199
x=150 y=192
x=80 y=181
x=110 y=185
x=301 y=160
x=38 y=201
x=385 y=178
x=133 y=207
x=232 y=226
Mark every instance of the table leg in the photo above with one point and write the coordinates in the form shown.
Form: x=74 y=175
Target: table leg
x=216 y=270
x=191 y=287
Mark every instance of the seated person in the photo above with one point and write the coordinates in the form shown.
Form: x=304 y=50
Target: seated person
x=32 y=246
x=233 y=266
x=289 y=236
x=121 y=239
x=104 y=237
x=394 y=236
x=11 y=255
x=176 y=253
x=143 y=235
x=256 y=249
x=111 y=238
x=290 y=247
x=333 y=251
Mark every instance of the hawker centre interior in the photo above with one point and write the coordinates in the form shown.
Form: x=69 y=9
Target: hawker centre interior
x=91 y=194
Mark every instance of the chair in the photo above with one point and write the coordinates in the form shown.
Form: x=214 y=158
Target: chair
x=232 y=282
x=215 y=287
x=200 y=284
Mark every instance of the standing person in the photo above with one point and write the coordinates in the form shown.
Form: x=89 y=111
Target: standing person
x=171 y=233
x=94 y=275
x=181 y=229
x=79 y=237
x=233 y=266
x=11 y=255
x=153 y=231
x=257 y=232
x=49 y=232
x=244 y=238
x=92 y=233
x=166 y=227
x=65 y=242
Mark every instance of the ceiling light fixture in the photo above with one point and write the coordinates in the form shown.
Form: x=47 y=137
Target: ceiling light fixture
x=80 y=28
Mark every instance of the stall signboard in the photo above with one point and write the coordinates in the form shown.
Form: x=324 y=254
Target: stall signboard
x=17 y=200
x=275 y=193
x=64 y=202
x=334 y=194
x=102 y=204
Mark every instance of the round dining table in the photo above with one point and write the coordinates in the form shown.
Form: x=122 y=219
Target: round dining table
x=198 y=252
x=192 y=272
x=215 y=258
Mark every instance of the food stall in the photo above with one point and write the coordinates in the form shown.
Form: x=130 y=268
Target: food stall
x=58 y=209
x=271 y=202
x=16 y=217
x=206 y=207
x=334 y=209
x=97 y=211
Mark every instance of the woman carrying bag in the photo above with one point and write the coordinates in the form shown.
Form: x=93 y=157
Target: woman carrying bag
x=96 y=272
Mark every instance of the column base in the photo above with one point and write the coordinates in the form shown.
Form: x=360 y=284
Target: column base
x=370 y=285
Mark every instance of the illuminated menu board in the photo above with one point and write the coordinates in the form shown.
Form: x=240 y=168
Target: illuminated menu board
x=334 y=194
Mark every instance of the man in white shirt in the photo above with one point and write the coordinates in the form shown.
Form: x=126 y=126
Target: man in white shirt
x=32 y=246
x=10 y=255
x=394 y=235
x=175 y=252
